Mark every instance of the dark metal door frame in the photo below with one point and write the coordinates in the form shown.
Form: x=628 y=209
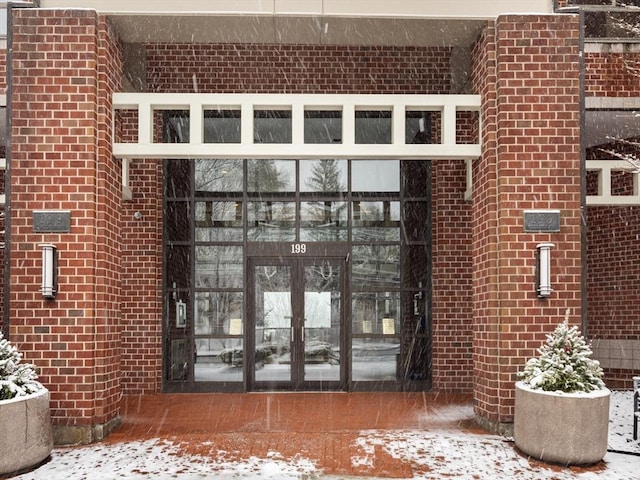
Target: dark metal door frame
x=297 y=381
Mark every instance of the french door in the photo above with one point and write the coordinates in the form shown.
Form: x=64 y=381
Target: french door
x=296 y=324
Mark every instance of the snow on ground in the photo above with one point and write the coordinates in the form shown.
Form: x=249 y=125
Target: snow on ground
x=433 y=455
x=621 y=424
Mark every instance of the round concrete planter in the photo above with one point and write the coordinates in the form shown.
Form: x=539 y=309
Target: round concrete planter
x=27 y=436
x=562 y=428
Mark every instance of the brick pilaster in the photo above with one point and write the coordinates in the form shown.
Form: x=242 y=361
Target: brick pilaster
x=64 y=70
x=528 y=73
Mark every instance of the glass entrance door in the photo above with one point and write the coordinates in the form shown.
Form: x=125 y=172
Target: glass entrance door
x=296 y=317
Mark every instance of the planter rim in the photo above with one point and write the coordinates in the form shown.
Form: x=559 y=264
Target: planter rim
x=20 y=398
x=603 y=392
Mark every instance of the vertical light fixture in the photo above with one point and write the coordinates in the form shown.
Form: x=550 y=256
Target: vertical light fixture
x=49 y=270
x=543 y=269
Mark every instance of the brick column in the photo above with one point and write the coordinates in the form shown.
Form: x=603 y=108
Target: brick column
x=528 y=73
x=65 y=66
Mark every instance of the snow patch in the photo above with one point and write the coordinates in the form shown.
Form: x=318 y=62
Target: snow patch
x=431 y=454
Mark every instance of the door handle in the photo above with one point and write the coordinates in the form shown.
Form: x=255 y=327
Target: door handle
x=293 y=334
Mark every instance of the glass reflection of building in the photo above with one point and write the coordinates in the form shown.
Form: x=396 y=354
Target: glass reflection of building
x=376 y=209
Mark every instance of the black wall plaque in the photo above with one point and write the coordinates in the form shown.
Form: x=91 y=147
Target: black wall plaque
x=51 y=221
x=542 y=221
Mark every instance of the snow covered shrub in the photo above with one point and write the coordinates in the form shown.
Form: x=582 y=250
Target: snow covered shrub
x=564 y=364
x=16 y=379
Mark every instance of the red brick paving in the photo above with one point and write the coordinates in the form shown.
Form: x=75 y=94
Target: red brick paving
x=321 y=427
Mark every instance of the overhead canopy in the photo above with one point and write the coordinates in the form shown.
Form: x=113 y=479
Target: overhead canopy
x=353 y=22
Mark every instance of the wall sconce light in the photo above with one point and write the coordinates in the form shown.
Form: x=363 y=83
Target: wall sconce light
x=543 y=269
x=49 y=271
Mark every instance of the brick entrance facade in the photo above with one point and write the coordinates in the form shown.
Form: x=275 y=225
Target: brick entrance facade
x=101 y=338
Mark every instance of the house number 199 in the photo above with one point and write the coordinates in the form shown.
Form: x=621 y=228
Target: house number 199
x=298 y=248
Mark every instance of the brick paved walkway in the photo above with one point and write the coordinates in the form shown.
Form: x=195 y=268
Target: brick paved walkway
x=323 y=427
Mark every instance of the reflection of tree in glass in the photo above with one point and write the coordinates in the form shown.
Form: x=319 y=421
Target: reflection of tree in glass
x=214 y=311
x=215 y=175
x=222 y=175
x=376 y=265
x=266 y=177
x=325 y=178
x=218 y=266
x=273 y=218
x=274 y=287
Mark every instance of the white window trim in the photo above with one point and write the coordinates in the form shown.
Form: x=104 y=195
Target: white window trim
x=605 y=168
x=146 y=103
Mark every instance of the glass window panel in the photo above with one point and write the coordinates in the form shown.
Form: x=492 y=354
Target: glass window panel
x=218 y=360
x=375 y=176
x=273 y=323
x=222 y=126
x=373 y=126
x=178 y=175
x=415 y=264
x=323 y=176
x=177 y=224
x=219 y=221
x=414 y=321
x=271 y=221
x=272 y=126
x=322 y=126
x=178 y=266
x=415 y=221
x=601 y=126
x=218 y=313
x=322 y=321
x=614 y=24
x=376 y=313
x=417 y=127
x=219 y=266
x=376 y=221
x=416 y=178
x=323 y=221
x=416 y=363
x=375 y=266
x=3 y=21
x=271 y=176
x=176 y=126
x=224 y=175
x=179 y=359
x=375 y=359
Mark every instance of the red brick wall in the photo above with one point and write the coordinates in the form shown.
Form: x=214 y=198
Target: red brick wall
x=108 y=232
x=452 y=274
x=142 y=280
x=613 y=277
x=341 y=69
x=61 y=161
x=611 y=74
x=532 y=145
x=485 y=223
x=297 y=69
x=613 y=249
